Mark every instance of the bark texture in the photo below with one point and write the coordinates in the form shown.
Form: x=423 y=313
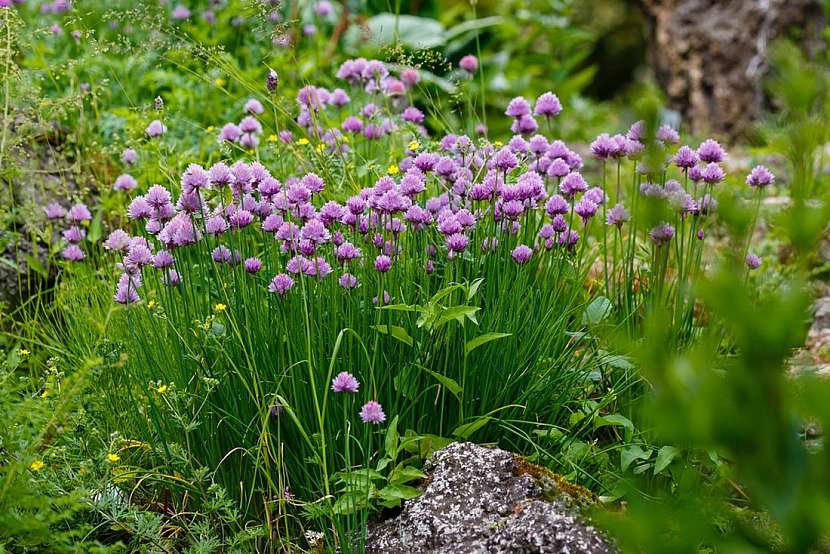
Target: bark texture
x=709 y=56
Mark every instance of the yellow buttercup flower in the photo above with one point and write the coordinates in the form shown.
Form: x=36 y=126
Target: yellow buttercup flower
x=220 y=307
x=37 y=465
x=162 y=389
x=219 y=82
x=23 y=353
x=303 y=141
x=44 y=394
x=345 y=138
x=393 y=170
x=210 y=129
x=414 y=145
x=272 y=138
x=321 y=147
x=113 y=457
x=151 y=304
x=498 y=144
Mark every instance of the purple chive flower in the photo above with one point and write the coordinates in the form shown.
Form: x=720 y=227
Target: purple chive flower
x=348 y=281
x=572 y=184
x=216 y=225
x=760 y=177
x=383 y=263
x=711 y=152
x=74 y=234
x=522 y=254
x=281 y=284
x=180 y=13
x=344 y=382
x=413 y=115
x=457 y=242
x=129 y=156
x=73 y=253
x=518 y=107
x=163 y=259
x=139 y=208
x=617 y=216
x=253 y=106
x=252 y=265
x=249 y=124
x=230 y=132
x=125 y=182
x=221 y=254
x=524 y=125
x=661 y=234
x=117 y=241
x=155 y=129
x=372 y=412
x=54 y=210
x=125 y=292
x=667 y=134
x=557 y=205
x=469 y=63
x=568 y=238
x=272 y=81
x=685 y=157
x=596 y=195
x=547 y=105
x=347 y=252
x=586 y=209
x=713 y=173
x=78 y=213
x=604 y=147
x=504 y=160
x=753 y=261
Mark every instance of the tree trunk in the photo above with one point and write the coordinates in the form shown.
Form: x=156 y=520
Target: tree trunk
x=709 y=56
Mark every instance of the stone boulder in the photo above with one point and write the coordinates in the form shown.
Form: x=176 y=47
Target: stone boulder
x=486 y=500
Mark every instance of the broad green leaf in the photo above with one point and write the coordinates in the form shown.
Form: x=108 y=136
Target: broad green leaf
x=406 y=474
x=395 y=331
x=34 y=263
x=619 y=362
x=351 y=502
x=665 y=456
x=474 y=288
x=449 y=383
x=472 y=344
x=392 y=437
x=473 y=25
x=399 y=308
x=631 y=453
x=615 y=420
x=596 y=311
x=361 y=476
x=413 y=31
x=466 y=430
x=398 y=492
x=457 y=313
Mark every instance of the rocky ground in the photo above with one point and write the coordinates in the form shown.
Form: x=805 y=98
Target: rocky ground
x=486 y=500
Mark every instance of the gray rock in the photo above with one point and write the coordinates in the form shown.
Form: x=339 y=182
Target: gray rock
x=483 y=500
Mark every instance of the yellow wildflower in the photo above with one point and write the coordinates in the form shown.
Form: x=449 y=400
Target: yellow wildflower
x=113 y=457
x=303 y=141
x=44 y=394
x=414 y=145
x=210 y=129
x=220 y=307
x=393 y=170
x=219 y=82
x=272 y=138
x=151 y=304
x=498 y=144
x=162 y=389
x=23 y=353
x=321 y=147
x=37 y=465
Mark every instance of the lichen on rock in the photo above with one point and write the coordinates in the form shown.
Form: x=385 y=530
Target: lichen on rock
x=487 y=500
